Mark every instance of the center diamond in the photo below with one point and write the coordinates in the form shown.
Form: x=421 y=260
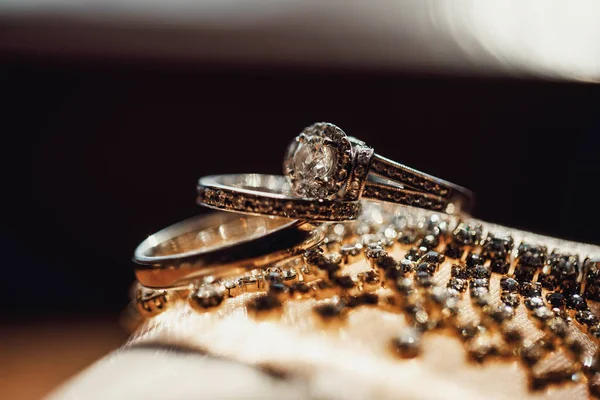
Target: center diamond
x=311 y=164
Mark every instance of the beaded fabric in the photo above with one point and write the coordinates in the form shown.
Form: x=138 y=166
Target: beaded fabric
x=403 y=303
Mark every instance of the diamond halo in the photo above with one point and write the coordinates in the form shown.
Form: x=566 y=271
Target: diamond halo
x=319 y=161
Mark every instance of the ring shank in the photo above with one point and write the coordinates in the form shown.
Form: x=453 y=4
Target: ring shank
x=414 y=182
x=219 y=244
x=257 y=194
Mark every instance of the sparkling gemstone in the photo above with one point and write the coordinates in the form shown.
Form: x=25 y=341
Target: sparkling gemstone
x=332 y=308
x=480 y=272
x=312 y=163
x=432 y=257
x=457 y=284
x=458 y=272
x=576 y=302
x=497 y=248
x=530 y=289
x=542 y=313
x=534 y=302
x=586 y=317
x=509 y=284
x=556 y=299
x=564 y=264
x=511 y=299
x=531 y=256
x=407 y=342
x=207 y=296
x=474 y=260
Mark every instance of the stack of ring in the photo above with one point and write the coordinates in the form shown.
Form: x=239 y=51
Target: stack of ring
x=266 y=219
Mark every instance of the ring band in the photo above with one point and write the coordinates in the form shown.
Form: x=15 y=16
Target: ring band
x=270 y=195
x=324 y=163
x=219 y=245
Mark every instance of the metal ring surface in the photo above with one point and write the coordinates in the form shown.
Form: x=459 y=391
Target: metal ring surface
x=219 y=244
x=270 y=195
x=324 y=163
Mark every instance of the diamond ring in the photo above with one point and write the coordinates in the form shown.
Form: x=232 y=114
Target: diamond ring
x=270 y=195
x=324 y=163
x=219 y=245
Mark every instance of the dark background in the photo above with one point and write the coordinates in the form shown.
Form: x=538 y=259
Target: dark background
x=101 y=153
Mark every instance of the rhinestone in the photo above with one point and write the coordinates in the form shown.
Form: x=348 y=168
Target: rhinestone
x=432 y=257
x=555 y=299
x=509 y=284
x=531 y=256
x=534 y=302
x=407 y=236
x=480 y=272
x=499 y=266
x=467 y=235
x=300 y=288
x=386 y=262
x=576 y=302
x=404 y=286
x=501 y=313
x=315 y=256
x=476 y=283
x=426 y=267
x=330 y=309
x=423 y=279
x=279 y=290
x=415 y=253
x=289 y=274
x=586 y=317
x=479 y=291
x=375 y=252
x=368 y=298
x=264 y=302
x=355 y=249
x=407 y=343
x=524 y=274
x=570 y=286
x=457 y=284
x=429 y=241
x=481 y=346
x=530 y=289
x=497 y=248
x=474 y=260
x=511 y=299
x=407 y=265
x=453 y=251
x=458 y=272
x=542 y=313
x=273 y=276
x=564 y=264
x=344 y=282
x=549 y=282
x=207 y=296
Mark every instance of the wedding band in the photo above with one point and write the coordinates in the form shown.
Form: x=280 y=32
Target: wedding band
x=324 y=163
x=270 y=195
x=220 y=245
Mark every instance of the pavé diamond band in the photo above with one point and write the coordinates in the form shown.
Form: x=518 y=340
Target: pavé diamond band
x=270 y=195
x=323 y=162
x=218 y=245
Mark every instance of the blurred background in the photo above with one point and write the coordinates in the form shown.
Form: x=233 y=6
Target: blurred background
x=111 y=111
